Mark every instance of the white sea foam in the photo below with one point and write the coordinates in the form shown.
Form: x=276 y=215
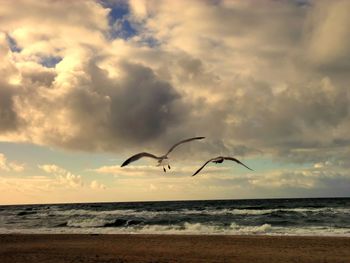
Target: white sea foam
x=236 y=211
x=88 y=223
x=193 y=229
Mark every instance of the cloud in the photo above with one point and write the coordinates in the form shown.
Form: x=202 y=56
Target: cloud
x=84 y=103
x=257 y=87
x=97 y=186
x=84 y=24
x=8 y=116
x=67 y=179
x=63 y=177
x=146 y=106
x=328 y=37
x=10 y=166
x=255 y=79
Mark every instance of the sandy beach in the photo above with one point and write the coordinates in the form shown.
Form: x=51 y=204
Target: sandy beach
x=171 y=248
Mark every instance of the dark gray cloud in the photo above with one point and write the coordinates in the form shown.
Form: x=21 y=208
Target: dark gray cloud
x=301 y=114
x=9 y=120
x=144 y=106
x=106 y=114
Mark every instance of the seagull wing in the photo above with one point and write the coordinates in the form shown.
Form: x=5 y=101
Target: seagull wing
x=181 y=142
x=237 y=161
x=138 y=156
x=213 y=159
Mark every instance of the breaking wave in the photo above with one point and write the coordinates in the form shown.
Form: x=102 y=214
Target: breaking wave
x=150 y=214
x=329 y=217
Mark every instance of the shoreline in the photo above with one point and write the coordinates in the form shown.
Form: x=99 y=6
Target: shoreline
x=347 y=236
x=88 y=248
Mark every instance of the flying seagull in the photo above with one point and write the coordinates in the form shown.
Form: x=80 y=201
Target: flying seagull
x=220 y=159
x=162 y=160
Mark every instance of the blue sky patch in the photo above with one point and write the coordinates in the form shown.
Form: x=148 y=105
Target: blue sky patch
x=50 y=62
x=120 y=26
x=13 y=44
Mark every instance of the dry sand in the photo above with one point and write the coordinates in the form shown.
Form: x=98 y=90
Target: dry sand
x=171 y=248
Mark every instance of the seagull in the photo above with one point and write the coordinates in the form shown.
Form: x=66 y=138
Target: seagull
x=220 y=159
x=162 y=160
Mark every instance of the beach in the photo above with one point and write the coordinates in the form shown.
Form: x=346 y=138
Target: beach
x=171 y=248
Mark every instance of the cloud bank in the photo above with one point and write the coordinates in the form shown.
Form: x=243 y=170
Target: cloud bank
x=265 y=78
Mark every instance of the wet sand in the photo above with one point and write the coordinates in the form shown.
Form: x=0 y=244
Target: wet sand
x=171 y=248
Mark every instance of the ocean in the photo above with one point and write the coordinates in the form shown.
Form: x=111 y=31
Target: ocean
x=320 y=216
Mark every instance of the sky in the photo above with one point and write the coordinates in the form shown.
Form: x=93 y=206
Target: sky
x=86 y=84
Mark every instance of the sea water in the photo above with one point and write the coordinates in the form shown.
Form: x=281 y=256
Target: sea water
x=321 y=217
